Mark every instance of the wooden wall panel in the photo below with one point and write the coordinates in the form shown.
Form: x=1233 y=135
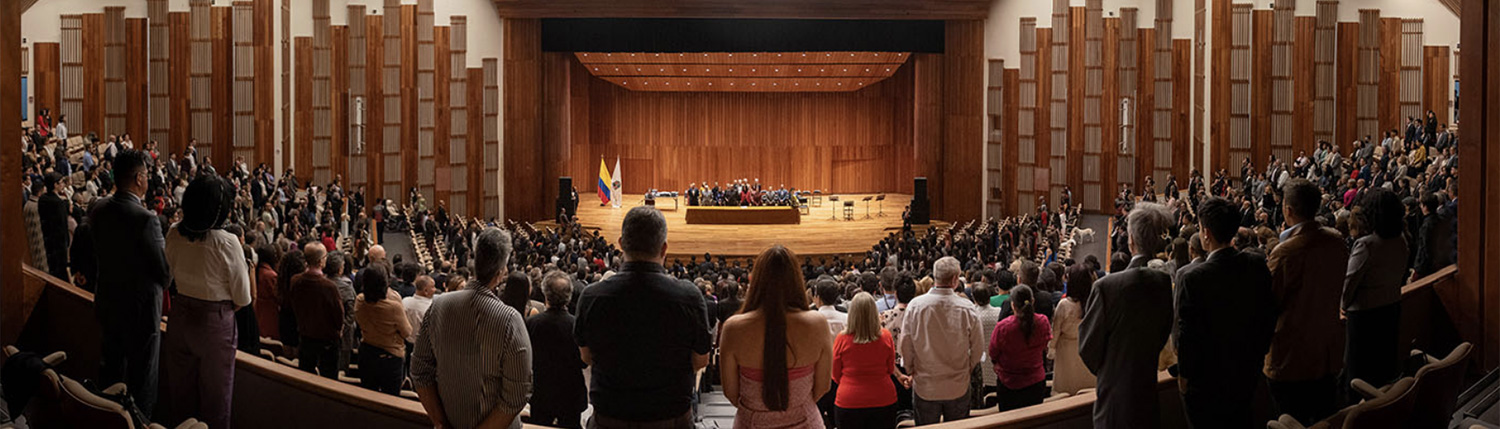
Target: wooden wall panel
x=1027 y=122
x=320 y=168
x=1410 y=95
x=1240 y=66
x=1261 y=90
x=1077 y=105
x=70 y=86
x=1163 y=119
x=491 y=127
x=1092 y=88
x=963 y=112
x=157 y=77
x=113 y=95
x=375 y=102
x=1145 y=147
x=1390 y=76
x=426 y=117
x=1129 y=77
x=302 y=102
x=1437 y=81
x=338 y=147
x=1062 y=36
x=475 y=148
x=136 y=104
x=46 y=72
x=1281 y=92
x=244 y=82
x=1304 y=72
x=409 y=124
x=523 y=125
x=1325 y=82
x=93 y=78
x=1109 y=115
x=359 y=100
x=263 y=20
x=286 y=85
x=1367 y=81
x=1012 y=141
x=1182 y=127
x=1042 y=176
x=393 y=117
x=558 y=127
x=458 y=141
x=223 y=88
x=442 y=128
x=1201 y=154
x=200 y=109
x=1346 y=123
x=179 y=83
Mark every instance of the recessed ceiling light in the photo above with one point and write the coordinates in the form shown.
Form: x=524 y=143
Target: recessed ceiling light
x=632 y=55
x=585 y=55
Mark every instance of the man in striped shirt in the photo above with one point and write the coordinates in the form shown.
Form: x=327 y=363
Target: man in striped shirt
x=472 y=364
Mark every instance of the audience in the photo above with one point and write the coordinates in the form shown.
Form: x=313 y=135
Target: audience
x=382 y=321
x=826 y=296
x=1018 y=347
x=864 y=360
x=559 y=395
x=1371 y=296
x=1226 y=316
x=1125 y=325
x=267 y=296
x=320 y=315
x=212 y=282
x=416 y=306
x=941 y=342
x=775 y=356
x=472 y=362
x=293 y=264
x=644 y=332
x=1069 y=373
x=1306 y=351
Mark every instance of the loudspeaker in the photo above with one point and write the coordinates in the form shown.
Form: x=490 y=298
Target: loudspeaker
x=921 y=212
x=565 y=202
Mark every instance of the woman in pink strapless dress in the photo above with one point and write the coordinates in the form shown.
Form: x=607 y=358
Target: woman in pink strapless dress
x=776 y=355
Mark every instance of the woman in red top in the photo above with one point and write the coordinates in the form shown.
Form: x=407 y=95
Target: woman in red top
x=864 y=360
x=1017 y=348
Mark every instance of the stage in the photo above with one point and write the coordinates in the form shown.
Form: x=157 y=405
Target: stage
x=816 y=235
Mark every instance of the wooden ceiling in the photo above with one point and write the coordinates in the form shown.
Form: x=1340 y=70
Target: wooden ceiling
x=791 y=9
x=743 y=71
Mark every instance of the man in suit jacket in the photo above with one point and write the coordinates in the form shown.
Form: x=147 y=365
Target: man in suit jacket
x=132 y=275
x=1226 y=314
x=558 y=394
x=52 y=209
x=1127 y=322
x=1306 y=349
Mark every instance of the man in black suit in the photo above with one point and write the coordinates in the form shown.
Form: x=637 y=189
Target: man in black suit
x=131 y=278
x=52 y=210
x=1127 y=322
x=1226 y=315
x=559 y=395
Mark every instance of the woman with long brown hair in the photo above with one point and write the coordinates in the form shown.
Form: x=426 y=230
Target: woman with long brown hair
x=776 y=355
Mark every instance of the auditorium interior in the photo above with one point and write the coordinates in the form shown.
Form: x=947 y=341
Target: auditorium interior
x=854 y=133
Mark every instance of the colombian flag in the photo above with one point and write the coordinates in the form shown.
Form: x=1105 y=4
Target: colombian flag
x=604 y=182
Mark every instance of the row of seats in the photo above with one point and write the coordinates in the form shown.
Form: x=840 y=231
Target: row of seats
x=1426 y=400
x=63 y=402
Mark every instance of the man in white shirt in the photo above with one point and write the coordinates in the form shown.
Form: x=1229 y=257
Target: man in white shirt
x=61 y=130
x=941 y=342
x=416 y=305
x=827 y=295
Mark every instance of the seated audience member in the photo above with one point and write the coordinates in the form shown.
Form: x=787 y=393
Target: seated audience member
x=213 y=281
x=1371 y=297
x=472 y=362
x=864 y=360
x=1306 y=352
x=1126 y=324
x=826 y=296
x=1069 y=373
x=941 y=342
x=644 y=332
x=320 y=315
x=382 y=321
x=774 y=356
x=1226 y=315
x=1018 y=347
x=559 y=396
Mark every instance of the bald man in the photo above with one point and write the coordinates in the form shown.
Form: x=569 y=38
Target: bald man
x=320 y=315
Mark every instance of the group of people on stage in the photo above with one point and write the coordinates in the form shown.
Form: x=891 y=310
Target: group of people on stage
x=742 y=192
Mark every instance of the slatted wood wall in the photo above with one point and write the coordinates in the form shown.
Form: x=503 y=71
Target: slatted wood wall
x=1062 y=25
x=458 y=141
x=1367 y=77
x=359 y=100
x=1164 y=117
x=114 y=69
x=1325 y=81
x=71 y=110
x=1281 y=80
x=1028 y=124
x=390 y=184
x=320 y=169
x=426 y=113
x=1411 y=70
x=244 y=82
x=491 y=128
x=1093 y=190
x=1130 y=95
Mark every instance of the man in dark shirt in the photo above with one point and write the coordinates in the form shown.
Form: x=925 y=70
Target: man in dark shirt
x=320 y=315
x=52 y=208
x=558 y=395
x=644 y=332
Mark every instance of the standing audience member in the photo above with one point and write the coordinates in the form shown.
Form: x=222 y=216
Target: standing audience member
x=864 y=360
x=1069 y=373
x=267 y=296
x=320 y=315
x=941 y=342
x=132 y=275
x=644 y=332
x=212 y=282
x=826 y=296
x=989 y=316
x=1306 y=352
x=1226 y=316
x=1126 y=324
x=292 y=264
x=775 y=356
x=516 y=293
x=417 y=305
x=472 y=362
x=52 y=207
x=337 y=268
x=1434 y=241
x=1371 y=301
x=1018 y=347
x=382 y=321
x=560 y=395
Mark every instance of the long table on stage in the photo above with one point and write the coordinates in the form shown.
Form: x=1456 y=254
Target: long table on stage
x=735 y=215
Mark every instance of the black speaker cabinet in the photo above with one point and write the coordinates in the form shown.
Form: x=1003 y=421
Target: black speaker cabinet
x=921 y=212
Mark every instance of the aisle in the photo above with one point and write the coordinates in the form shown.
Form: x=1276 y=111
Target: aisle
x=1099 y=246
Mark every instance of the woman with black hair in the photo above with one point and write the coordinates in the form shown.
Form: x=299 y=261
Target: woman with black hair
x=1017 y=348
x=1372 y=291
x=212 y=282
x=382 y=321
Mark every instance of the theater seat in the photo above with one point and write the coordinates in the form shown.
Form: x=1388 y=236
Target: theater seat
x=82 y=408
x=1438 y=383
x=1388 y=410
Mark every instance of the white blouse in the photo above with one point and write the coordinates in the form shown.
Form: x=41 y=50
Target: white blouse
x=211 y=269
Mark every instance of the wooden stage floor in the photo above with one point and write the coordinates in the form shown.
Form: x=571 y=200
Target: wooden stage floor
x=817 y=235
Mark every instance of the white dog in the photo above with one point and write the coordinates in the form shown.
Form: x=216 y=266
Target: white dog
x=1085 y=235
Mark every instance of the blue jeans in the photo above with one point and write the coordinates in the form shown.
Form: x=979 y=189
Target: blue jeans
x=930 y=412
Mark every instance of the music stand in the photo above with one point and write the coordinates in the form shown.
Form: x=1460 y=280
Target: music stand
x=833 y=214
x=848 y=209
x=867 y=206
x=881 y=201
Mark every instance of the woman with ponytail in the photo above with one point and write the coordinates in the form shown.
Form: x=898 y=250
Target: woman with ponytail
x=1017 y=348
x=776 y=355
